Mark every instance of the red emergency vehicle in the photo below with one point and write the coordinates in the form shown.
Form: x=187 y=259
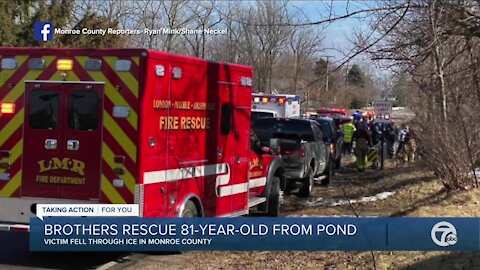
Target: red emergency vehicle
x=331 y=112
x=168 y=132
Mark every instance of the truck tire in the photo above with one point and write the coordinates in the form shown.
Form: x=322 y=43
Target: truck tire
x=330 y=173
x=275 y=198
x=190 y=210
x=307 y=185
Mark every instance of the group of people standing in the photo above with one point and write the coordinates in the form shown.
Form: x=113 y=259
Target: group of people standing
x=364 y=132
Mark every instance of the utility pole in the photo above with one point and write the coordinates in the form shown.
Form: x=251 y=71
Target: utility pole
x=326 y=77
x=306 y=101
x=346 y=78
x=326 y=74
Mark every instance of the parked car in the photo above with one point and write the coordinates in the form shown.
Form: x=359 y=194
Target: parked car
x=332 y=136
x=302 y=149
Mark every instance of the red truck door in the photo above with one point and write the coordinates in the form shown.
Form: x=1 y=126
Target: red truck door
x=62 y=140
x=233 y=149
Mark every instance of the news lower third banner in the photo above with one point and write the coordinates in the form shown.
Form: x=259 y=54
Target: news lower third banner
x=236 y=234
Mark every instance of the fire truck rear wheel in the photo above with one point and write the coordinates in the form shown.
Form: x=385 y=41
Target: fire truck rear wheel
x=190 y=210
x=275 y=198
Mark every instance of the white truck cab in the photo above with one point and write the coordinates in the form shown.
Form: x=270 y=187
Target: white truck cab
x=279 y=105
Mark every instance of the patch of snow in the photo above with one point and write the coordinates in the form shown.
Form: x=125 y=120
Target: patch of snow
x=384 y=195
x=337 y=202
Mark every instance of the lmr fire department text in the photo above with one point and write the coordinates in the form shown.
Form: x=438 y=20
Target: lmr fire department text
x=199 y=229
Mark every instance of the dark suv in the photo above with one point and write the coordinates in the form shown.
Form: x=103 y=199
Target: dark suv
x=332 y=137
x=302 y=148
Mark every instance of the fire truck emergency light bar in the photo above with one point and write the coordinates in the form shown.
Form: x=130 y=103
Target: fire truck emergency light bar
x=280 y=100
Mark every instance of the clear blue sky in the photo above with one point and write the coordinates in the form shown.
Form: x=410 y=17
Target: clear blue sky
x=337 y=34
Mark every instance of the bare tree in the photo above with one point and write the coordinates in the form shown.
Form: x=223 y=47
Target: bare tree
x=304 y=44
x=205 y=19
x=164 y=18
x=147 y=16
x=264 y=41
x=176 y=18
x=227 y=47
x=113 y=11
x=432 y=46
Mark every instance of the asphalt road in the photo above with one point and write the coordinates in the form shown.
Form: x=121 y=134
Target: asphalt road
x=15 y=255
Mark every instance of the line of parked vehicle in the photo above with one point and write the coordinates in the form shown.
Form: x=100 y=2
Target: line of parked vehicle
x=309 y=147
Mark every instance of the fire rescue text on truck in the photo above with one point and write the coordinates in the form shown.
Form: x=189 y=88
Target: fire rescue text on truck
x=168 y=132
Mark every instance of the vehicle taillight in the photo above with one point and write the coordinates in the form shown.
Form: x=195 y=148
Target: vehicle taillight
x=332 y=149
x=22 y=229
x=281 y=101
x=301 y=152
x=7 y=108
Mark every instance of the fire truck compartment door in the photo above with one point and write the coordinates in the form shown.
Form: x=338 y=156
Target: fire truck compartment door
x=62 y=140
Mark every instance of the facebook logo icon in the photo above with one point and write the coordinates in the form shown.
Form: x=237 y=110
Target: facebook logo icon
x=43 y=31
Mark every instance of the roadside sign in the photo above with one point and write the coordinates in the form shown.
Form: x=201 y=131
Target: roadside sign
x=383 y=110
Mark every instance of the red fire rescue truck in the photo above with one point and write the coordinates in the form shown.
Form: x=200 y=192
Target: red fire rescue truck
x=168 y=132
x=331 y=112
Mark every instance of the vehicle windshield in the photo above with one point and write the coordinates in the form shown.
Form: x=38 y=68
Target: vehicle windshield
x=256 y=115
x=267 y=128
x=326 y=127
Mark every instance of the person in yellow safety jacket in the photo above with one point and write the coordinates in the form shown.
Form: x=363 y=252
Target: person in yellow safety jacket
x=348 y=129
x=362 y=139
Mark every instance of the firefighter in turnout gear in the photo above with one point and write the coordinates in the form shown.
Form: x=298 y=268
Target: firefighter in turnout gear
x=362 y=140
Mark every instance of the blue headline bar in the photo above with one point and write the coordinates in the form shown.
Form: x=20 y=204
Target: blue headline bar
x=183 y=234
